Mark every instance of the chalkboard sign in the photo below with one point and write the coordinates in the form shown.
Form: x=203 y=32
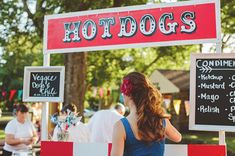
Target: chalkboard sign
x=44 y=84
x=212 y=92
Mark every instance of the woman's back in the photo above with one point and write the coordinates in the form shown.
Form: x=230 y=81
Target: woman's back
x=135 y=147
x=146 y=122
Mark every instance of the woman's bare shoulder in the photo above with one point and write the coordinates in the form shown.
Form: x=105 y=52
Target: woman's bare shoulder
x=119 y=129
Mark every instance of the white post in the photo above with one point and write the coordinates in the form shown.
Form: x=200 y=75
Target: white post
x=45 y=106
x=222 y=138
x=219 y=50
x=218 y=28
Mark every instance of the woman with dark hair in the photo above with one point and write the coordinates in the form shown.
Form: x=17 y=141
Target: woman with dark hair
x=20 y=132
x=143 y=131
x=70 y=107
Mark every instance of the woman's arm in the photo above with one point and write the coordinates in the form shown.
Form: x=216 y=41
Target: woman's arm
x=118 y=139
x=11 y=140
x=35 y=137
x=172 y=133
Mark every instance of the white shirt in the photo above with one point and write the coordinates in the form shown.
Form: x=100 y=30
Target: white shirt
x=19 y=130
x=78 y=133
x=101 y=125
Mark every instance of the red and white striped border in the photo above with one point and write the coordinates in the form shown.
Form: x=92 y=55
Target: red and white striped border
x=49 y=148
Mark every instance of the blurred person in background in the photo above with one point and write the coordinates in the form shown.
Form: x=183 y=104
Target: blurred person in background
x=38 y=129
x=102 y=122
x=78 y=133
x=20 y=132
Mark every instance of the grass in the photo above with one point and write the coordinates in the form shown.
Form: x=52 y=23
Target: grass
x=2 y=135
x=6 y=118
x=200 y=138
x=3 y=121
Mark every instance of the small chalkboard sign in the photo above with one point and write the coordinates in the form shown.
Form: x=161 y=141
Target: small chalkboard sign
x=43 y=84
x=212 y=92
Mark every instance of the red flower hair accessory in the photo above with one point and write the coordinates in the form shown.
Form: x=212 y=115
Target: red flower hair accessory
x=126 y=87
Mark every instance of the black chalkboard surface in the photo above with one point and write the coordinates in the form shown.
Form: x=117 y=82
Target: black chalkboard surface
x=44 y=84
x=214 y=94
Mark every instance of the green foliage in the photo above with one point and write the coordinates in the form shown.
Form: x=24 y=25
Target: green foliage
x=228 y=16
x=106 y=68
x=19 y=52
x=2 y=134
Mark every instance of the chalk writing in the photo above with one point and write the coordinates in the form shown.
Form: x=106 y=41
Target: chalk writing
x=212 y=86
x=44 y=84
x=208 y=109
x=215 y=95
x=212 y=98
x=210 y=77
x=231 y=117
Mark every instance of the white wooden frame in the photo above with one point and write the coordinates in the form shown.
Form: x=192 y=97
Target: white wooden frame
x=192 y=124
x=27 y=72
x=133 y=45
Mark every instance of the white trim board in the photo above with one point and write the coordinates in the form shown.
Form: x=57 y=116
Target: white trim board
x=133 y=45
x=26 y=88
x=192 y=124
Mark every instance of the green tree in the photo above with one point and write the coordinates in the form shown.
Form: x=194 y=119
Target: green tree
x=227 y=23
x=106 y=68
x=13 y=62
